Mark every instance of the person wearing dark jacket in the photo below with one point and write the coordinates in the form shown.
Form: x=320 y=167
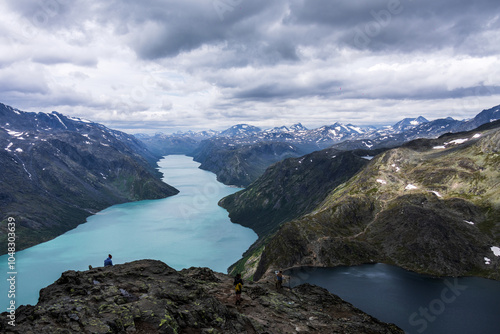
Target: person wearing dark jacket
x=238 y=286
x=279 y=280
x=108 y=261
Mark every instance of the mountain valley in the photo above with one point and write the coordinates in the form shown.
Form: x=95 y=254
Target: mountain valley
x=57 y=171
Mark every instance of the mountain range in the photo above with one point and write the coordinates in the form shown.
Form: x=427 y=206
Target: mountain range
x=57 y=171
x=237 y=144
x=422 y=195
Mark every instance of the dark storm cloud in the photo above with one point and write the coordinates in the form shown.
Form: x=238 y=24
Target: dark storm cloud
x=239 y=59
x=168 y=28
x=258 y=33
x=50 y=15
x=436 y=93
x=279 y=90
x=269 y=32
x=399 y=25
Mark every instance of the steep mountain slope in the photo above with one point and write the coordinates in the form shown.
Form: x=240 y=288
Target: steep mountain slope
x=57 y=171
x=150 y=297
x=243 y=164
x=409 y=123
x=292 y=187
x=485 y=116
x=431 y=206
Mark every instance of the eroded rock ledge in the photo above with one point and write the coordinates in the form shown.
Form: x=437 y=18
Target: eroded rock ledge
x=148 y=296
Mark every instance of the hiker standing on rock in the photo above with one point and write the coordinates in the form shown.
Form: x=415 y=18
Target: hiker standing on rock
x=279 y=280
x=108 y=261
x=238 y=286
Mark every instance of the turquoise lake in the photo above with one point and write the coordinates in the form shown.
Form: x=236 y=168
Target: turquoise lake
x=190 y=229
x=185 y=230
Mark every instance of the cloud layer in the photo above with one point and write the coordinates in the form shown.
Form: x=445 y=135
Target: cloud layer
x=169 y=65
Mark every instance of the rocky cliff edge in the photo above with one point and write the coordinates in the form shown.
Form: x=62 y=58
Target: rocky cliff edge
x=148 y=296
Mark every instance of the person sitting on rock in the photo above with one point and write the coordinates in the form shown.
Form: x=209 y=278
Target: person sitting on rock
x=238 y=286
x=108 y=261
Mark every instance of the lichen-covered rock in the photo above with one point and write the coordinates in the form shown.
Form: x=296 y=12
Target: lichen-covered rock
x=150 y=297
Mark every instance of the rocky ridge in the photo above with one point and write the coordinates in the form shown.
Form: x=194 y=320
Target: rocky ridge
x=148 y=296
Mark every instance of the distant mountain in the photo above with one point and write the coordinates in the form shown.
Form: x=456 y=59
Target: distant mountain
x=298 y=127
x=485 y=116
x=409 y=123
x=430 y=206
x=390 y=137
x=240 y=130
x=58 y=170
x=178 y=143
x=303 y=141
x=242 y=164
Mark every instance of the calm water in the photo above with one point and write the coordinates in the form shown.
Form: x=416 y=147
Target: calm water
x=189 y=229
x=416 y=303
x=185 y=230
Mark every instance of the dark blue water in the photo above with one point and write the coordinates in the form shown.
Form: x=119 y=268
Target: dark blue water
x=416 y=303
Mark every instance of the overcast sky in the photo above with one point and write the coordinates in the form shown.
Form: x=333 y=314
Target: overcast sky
x=168 y=65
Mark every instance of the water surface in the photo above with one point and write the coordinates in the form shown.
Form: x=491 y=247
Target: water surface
x=188 y=229
x=416 y=303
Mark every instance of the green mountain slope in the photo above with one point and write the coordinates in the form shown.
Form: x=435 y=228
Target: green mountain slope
x=57 y=171
x=291 y=188
x=431 y=206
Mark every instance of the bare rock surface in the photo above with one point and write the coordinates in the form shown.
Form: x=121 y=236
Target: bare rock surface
x=147 y=296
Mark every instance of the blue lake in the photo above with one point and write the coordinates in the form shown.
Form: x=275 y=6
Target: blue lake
x=416 y=303
x=188 y=229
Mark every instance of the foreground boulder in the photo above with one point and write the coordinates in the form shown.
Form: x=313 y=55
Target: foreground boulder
x=148 y=296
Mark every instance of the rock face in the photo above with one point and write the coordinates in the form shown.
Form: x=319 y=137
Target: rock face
x=293 y=187
x=240 y=164
x=57 y=171
x=430 y=206
x=149 y=297
x=288 y=190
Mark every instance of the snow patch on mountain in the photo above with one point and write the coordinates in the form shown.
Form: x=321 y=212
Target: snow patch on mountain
x=457 y=141
x=495 y=250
